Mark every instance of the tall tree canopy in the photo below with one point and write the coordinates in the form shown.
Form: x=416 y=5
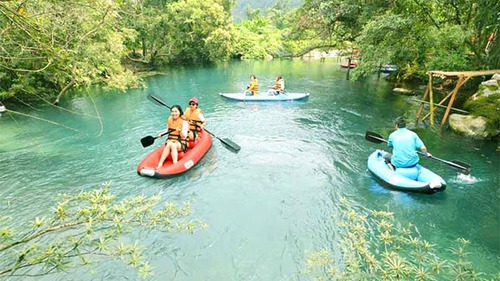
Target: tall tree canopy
x=416 y=35
x=52 y=46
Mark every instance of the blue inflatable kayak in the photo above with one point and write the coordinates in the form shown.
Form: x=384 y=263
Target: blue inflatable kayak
x=265 y=96
x=412 y=179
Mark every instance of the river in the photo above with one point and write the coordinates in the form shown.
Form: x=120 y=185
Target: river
x=271 y=204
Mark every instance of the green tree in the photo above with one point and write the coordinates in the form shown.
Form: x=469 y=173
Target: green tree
x=261 y=36
x=48 y=47
x=420 y=35
x=83 y=229
x=416 y=35
x=197 y=31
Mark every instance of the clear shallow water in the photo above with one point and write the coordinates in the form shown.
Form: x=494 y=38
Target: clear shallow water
x=272 y=203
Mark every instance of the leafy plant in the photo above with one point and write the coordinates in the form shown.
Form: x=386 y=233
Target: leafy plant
x=84 y=228
x=372 y=246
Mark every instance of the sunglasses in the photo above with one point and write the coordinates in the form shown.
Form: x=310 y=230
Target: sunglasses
x=192 y=103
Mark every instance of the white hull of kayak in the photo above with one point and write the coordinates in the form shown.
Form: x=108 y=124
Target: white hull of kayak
x=265 y=96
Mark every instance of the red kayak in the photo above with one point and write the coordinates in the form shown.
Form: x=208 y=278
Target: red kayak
x=186 y=160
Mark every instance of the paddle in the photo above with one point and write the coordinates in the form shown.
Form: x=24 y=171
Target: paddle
x=462 y=167
x=149 y=140
x=229 y=144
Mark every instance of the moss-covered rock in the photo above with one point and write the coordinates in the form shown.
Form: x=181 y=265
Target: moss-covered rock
x=485 y=104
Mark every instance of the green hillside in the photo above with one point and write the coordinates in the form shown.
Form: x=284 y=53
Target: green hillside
x=241 y=6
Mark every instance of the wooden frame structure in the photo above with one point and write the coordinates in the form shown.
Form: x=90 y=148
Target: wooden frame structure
x=462 y=76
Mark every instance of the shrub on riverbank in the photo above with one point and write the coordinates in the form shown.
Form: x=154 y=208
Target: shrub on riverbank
x=85 y=228
x=374 y=247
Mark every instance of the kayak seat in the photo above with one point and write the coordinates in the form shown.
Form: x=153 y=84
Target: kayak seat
x=192 y=143
x=410 y=172
x=180 y=155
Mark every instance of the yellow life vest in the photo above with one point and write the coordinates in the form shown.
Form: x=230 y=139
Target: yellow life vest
x=193 y=116
x=254 y=86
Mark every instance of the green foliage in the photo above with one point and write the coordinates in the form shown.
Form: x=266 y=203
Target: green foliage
x=336 y=21
x=417 y=36
x=256 y=39
x=198 y=31
x=51 y=46
x=240 y=11
x=262 y=36
x=374 y=247
x=420 y=51
x=84 y=228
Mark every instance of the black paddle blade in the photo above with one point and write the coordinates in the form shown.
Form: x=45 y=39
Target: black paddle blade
x=147 y=141
x=230 y=145
x=463 y=167
x=157 y=100
x=460 y=166
x=374 y=137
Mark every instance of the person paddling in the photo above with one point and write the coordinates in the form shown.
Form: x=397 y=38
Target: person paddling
x=253 y=88
x=195 y=118
x=177 y=129
x=405 y=144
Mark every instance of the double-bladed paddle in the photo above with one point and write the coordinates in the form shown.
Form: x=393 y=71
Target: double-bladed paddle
x=229 y=144
x=462 y=167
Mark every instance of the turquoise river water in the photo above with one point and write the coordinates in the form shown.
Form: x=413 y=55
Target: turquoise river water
x=271 y=204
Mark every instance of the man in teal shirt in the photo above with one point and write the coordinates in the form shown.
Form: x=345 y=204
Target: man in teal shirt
x=404 y=144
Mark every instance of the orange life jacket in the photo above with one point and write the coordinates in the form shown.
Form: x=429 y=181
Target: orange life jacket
x=175 y=126
x=277 y=86
x=193 y=116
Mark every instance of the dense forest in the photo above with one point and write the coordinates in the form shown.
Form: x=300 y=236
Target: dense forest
x=51 y=46
x=243 y=7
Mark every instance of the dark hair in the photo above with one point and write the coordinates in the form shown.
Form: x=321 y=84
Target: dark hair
x=279 y=77
x=253 y=76
x=400 y=121
x=178 y=107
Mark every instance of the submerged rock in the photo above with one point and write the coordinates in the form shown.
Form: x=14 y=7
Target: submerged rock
x=471 y=126
x=403 y=91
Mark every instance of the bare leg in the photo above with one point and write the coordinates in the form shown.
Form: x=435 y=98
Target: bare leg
x=175 y=154
x=164 y=155
x=391 y=166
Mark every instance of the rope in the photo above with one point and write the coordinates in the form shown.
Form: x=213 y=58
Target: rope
x=42 y=119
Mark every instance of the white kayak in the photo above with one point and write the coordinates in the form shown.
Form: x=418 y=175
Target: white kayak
x=265 y=96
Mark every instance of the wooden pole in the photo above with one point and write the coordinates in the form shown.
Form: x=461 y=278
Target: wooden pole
x=431 y=100
x=461 y=80
x=442 y=106
x=348 y=68
x=440 y=103
x=421 y=107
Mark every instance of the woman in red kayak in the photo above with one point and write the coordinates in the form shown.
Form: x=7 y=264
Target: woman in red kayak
x=177 y=129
